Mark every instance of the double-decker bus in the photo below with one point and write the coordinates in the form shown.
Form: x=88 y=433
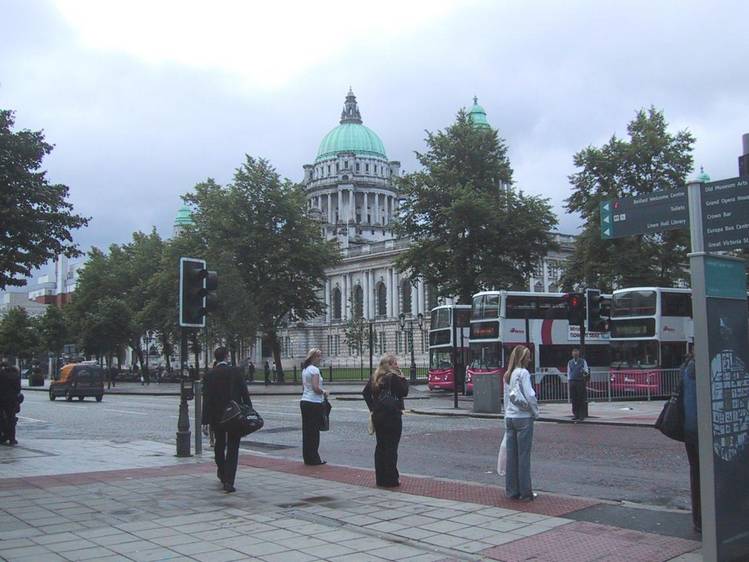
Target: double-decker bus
x=501 y=320
x=448 y=335
x=651 y=328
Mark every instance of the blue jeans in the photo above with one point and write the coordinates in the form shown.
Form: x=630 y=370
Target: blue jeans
x=519 y=442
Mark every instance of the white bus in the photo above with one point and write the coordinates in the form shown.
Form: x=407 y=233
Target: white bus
x=500 y=320
x=448 y=335
x=651 y=328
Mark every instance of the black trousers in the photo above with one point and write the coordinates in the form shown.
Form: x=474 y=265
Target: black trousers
x=8 y=422
x=693 y=454
x=226 y=454
x=312 y=413
x=578 y=398
x=388 y=434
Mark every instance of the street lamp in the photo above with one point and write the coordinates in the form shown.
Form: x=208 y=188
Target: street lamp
x=148 y=337
x=410 y=332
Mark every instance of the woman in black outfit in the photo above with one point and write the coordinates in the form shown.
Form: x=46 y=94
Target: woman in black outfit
x=384 y=395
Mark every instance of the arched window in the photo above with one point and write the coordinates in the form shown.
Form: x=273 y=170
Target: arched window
x=406 y=297
x=381 y=296
x=336 y=304
x=358 y=302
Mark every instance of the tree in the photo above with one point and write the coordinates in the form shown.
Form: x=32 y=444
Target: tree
x=651 y=160
x=470 y=229
x=18 y=336
x=260 y=223
x=53 y=331
x=36 y=219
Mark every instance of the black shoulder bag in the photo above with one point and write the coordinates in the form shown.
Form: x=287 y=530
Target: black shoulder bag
x=670 y=422
x=240 y=418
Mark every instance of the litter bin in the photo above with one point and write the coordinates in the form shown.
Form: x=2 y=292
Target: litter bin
x=486 y=393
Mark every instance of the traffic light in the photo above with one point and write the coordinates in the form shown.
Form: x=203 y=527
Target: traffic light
x=575 y=308
x=593 y=302
x=197 y=292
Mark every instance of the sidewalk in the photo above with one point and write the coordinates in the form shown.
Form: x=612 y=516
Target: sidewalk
x=174 y=509
x=640 y=413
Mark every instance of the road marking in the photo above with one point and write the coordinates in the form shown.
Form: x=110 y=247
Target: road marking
x=25 y=418
x=125 y=412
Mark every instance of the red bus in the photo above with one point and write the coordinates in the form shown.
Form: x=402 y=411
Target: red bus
x=448 y=335
x=501 y=320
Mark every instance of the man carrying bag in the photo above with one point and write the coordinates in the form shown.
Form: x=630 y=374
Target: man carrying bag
x=222 y=385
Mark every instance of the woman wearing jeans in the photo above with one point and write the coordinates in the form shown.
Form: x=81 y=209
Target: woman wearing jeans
x=312 y=406
x=519 y=427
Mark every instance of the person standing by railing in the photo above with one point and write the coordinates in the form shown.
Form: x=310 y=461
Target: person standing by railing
x=577 y=373
x=689 y=403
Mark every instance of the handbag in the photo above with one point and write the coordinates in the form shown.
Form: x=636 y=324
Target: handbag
x=240 y=418
x=502 y=456
x=520 y=400
x=325 y=424
x=387 y=407
x=670 y=422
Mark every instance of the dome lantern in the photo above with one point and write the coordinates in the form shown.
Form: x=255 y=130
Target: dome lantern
x=477 y=115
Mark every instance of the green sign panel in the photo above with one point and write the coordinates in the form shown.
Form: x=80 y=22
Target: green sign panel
x=725 y=214
x=645 y=214
x=725 y=278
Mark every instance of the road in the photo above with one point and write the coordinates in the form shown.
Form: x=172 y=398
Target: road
x=616 y=463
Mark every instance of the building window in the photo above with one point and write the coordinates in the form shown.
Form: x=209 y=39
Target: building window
x=366 y=167
x=358 y=302
x=336 y=304
x=337 y=167
x=406 y=297
x=381 y=298
x=357 y=166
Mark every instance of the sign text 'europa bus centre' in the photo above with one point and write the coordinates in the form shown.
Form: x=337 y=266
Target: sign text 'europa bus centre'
x=725 y=214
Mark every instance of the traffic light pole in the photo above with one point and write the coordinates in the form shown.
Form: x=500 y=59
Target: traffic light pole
x=183 y=422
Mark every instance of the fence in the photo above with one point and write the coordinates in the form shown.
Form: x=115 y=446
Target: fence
x=612 y=384
x=353 y=372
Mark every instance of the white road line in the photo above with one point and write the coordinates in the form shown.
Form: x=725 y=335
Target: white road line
x=126 y=412
x=25 y=418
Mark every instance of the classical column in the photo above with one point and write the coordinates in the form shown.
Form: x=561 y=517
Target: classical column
x=390 y=303
x=396 y=294
x=422 y=302
x=365 y=208
x=367 y=312
x=414 y=300
x=345 y=298
x=327 y=300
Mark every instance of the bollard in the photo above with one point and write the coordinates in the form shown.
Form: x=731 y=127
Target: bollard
x=197 y=391
x=183 y=422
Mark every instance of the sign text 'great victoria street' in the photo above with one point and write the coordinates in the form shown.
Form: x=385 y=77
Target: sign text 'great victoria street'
x=725 y=214
x=645 y=214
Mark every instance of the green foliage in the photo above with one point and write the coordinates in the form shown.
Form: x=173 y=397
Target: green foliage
x=18 y=335
x=258 y=227
x=471 y=230
x=36 y=220
x=651 y=160
x=53 y=330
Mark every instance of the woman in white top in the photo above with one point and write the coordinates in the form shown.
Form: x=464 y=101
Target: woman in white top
x=519 y=426
x=312 y=405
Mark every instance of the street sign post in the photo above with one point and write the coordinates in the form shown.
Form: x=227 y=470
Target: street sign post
x=644 y=214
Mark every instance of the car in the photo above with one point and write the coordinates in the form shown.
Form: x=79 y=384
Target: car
x=78 y=380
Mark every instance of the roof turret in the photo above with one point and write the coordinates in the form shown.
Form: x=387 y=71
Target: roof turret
x=477 y=115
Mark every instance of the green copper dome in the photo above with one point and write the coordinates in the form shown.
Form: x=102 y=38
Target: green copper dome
x=703 y=176
x=477 y=115
x=351 y=135
x=184 y=217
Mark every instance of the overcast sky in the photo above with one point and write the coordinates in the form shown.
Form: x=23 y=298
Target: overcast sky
x=143 y=99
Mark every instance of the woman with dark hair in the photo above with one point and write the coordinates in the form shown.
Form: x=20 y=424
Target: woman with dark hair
x=312 y=405
x=384 y=394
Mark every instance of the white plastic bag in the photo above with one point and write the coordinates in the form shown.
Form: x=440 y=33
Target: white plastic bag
x=502 y=456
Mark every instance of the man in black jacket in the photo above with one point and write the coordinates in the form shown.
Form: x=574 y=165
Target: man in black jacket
x=222 y=385
x=10 y=395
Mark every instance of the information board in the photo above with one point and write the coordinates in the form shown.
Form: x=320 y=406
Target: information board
x=645 y=214
x=725 y=214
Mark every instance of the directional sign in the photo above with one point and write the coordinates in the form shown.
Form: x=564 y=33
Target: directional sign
x=725 y=214
x=645 y=214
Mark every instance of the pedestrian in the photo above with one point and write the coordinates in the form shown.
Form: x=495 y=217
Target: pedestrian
x=10 y=402
x=689 y=403
x=251 y=369
x=384 y=394
x=519 y=426
x=577 y=374
x=313 y=406
x=222 y=385
x=267 y=373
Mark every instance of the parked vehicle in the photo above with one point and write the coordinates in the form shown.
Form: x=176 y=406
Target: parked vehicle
x=78 y=380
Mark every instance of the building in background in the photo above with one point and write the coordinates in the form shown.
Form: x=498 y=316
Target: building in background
x=57 y=287
x=9 y=301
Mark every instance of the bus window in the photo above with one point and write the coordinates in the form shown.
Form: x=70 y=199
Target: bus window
x=552 y=308
x=518 y=307
x=462 y=317
x=555 y=356
x=440 y=359
x=598 y=355
x=633 y=303
x=485 y=355
x=672 y=354
x=440 y=318
x=676 y=304
x=634 y=354
x=485 y=306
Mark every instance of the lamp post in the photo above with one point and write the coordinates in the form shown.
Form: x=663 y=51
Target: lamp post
x=148 y=337
x=410 y=332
